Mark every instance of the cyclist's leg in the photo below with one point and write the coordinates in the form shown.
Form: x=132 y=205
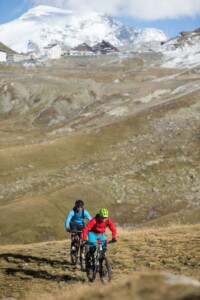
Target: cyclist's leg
x=102 y=237
x=76 y=227
x=91 y=249
x=80 y=228
x=73 y=227
x=103 y=260
x=92 y=237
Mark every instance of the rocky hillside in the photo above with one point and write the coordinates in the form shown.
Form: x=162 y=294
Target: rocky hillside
x=117 y=133
x=183 y=50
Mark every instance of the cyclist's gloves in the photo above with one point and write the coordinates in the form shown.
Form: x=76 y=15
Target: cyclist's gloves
x=114 y=240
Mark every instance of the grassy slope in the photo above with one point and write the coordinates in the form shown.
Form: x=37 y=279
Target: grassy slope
x=148 y=161
x=107 y=167
x=45 y=268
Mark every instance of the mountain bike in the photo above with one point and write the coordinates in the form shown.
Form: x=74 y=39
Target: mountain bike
x=78 y=249
x=97 y=262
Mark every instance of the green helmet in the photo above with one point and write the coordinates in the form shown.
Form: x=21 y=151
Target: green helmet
x=104 y=213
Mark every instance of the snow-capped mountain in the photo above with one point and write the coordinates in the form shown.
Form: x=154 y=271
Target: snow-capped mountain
x=149 y=35
x=43 y=25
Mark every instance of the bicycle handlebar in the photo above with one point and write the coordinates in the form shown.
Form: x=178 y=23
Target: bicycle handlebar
x=110 y=242
x=74 y=231
x=99 y=242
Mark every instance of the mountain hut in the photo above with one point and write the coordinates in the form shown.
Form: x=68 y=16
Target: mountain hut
x=104 y=48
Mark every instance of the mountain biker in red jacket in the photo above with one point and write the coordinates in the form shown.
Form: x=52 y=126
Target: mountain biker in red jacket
x=95 y=229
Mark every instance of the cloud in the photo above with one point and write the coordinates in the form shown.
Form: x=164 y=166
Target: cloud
x=149 y=10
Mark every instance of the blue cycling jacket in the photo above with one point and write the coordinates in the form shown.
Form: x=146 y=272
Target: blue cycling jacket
x=77 y=218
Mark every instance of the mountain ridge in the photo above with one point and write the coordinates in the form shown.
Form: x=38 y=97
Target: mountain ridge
x=43 y=25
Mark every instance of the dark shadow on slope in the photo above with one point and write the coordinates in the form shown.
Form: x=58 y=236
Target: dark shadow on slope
x=40 y=274
x=29 y=258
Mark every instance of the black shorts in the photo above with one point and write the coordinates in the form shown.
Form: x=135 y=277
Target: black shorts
x=76 y=227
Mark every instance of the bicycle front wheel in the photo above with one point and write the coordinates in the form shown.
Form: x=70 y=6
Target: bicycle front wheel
x=105 y=271
x=74 y=255
x=91 y=269
x=83 y=251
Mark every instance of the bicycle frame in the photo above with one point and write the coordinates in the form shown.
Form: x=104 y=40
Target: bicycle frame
x=99 y=253
x=98 y=263
x=79 y=249
x=75 y=234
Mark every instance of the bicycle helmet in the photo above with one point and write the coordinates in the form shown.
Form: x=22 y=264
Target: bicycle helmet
x=104 y=213
x=79 y=203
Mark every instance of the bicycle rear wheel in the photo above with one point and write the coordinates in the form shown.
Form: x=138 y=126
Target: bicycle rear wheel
x=105 y=271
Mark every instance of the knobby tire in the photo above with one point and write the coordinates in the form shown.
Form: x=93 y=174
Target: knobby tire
x=74 y=254
x=105 y=270
x=91 y=269
x=83 y=251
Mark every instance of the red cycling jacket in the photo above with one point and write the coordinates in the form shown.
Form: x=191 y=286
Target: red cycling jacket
x=99 y=227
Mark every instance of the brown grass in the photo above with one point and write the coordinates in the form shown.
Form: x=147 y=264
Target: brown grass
x=143 y=166
x=45 y=267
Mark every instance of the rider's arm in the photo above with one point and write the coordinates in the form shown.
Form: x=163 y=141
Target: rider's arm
x=112 y=228
x=68 y=219
x=87 y=215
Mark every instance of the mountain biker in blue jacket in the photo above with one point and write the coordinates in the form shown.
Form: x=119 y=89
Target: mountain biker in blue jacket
x=75 y=219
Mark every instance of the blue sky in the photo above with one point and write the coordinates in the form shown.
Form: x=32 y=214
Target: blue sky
x=171 y=16
x=171 y=27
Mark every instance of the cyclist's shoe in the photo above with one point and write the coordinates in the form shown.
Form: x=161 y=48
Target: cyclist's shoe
x=73 y=249
x=92 y=250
